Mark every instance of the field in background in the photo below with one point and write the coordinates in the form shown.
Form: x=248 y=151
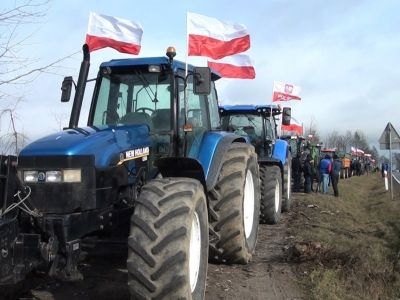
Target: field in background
x=348 y=247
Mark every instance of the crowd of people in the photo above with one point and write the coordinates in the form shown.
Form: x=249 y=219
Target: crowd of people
x=324 y=173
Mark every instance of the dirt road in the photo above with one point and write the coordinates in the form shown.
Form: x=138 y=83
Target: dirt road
x=268 y=276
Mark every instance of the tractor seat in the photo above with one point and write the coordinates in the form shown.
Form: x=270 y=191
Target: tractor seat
x=135 y=118
x=162 y=119
x=249 y=130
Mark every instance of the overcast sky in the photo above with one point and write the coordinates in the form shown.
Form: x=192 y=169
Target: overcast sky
x=343 y=54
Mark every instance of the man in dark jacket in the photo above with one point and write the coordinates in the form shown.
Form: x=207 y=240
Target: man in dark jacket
x=296 y=168
x=337 y=166
x=325 y=168
x=307 y=171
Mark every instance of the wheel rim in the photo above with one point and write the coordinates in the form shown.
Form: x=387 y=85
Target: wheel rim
x=194 y=251
x=248 y=204
x=276 y=195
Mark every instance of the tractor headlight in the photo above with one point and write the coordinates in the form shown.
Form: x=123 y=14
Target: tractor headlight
x=31 y=176
x=70 y=175
x=53 y=176
x=154 y=68
x=73 y=175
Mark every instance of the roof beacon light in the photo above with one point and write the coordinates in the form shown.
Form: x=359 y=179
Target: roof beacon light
x=171 y=53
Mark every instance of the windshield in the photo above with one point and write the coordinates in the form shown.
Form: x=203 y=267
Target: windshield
x=136 y=97
x=244 y=124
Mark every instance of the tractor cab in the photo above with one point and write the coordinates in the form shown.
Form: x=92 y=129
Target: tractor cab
x=255 y=122
x=176 y=106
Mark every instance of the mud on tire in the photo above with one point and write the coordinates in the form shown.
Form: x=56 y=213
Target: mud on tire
x=234 y=207
x=168 y=242
x=271 y=194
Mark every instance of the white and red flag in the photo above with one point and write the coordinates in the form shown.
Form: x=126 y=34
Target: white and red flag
x=293 y=128
x=285 y=92
x=215 y=38
x=120 y=34
x=356 y=152
x=235 y=66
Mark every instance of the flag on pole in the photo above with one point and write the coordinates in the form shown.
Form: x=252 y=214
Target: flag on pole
x=105 y=31
x=235 y=66
x=285 y=92
x=294 y=127
x=356 y=152
x=215 y=38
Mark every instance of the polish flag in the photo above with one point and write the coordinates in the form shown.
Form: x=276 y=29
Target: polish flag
x=285 y=92
x=298 y=129
x=214 y=38
x=235 y=66
x=105 y=31
x=294 y=127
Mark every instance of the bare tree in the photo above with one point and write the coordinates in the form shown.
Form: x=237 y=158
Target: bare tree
x=312 y=129
x=16 y=30
x=332 y=140
x=12 y=141
x=360 y=141
x=14 y=20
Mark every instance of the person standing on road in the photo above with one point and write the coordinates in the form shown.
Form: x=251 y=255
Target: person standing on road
x=307 y=174
x=325 y=168
x=316 y=177
x=337 y=166
x=296 y=168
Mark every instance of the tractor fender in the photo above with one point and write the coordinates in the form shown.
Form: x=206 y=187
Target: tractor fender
x=181 y=167
x=207 y=164
x=270 y=161
x=281 y=150
x=212 y=153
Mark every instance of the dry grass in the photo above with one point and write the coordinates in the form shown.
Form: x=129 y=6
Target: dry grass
x=348 y=247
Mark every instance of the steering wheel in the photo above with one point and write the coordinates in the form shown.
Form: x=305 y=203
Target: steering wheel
x=143 y=109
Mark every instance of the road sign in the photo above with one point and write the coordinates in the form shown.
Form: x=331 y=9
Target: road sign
x=390 y=139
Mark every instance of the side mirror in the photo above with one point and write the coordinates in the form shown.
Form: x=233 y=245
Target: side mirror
x=66 y=88
x=201 y=81
x=286 y=115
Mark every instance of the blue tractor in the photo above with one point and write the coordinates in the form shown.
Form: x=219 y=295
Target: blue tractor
x=258 y=124
x=153 y=161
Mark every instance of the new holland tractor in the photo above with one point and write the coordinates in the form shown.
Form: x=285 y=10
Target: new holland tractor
x=259 y=125
x=153 y=161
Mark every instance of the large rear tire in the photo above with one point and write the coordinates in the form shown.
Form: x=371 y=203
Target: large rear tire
x=168 y=242
x=234 y=207
x=287 y=184
x=271 y=194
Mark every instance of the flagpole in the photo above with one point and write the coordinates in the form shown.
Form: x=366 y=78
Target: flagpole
x=272 y=101
x=187 y=44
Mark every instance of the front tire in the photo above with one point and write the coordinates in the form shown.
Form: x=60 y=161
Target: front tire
x=271 y=194
x=168 y=241
x=234 y=207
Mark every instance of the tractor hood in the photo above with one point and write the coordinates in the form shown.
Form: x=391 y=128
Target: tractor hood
x=104 y=143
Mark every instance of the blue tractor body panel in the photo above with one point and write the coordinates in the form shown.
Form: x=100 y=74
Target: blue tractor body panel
x=281 y=147
x=205 y=152
x=131 y=62
x=280 y=150
x=105 y=143
x=251 y=109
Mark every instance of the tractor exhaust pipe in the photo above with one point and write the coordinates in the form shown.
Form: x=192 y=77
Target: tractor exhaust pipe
x=80 y=88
